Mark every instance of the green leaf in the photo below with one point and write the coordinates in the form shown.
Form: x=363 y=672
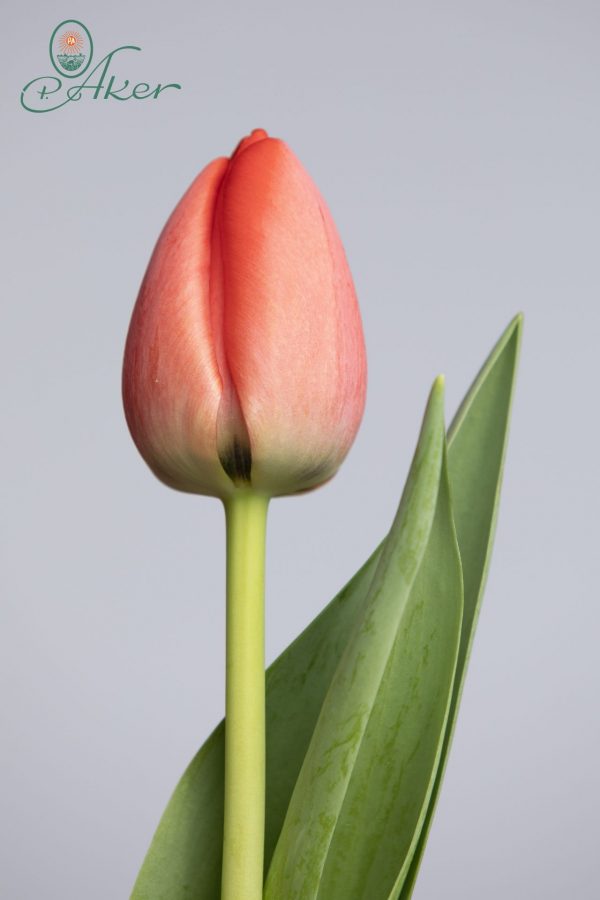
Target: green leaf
x=184 y=859
x=366 y=778
x=477 y=441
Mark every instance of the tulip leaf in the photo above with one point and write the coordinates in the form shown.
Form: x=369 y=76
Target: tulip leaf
x=477 y=441
x=184 y=859
x=365 y=781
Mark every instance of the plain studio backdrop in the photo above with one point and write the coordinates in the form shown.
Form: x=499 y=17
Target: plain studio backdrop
x=458 y=147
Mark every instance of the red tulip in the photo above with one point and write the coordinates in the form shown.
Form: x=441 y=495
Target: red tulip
x=245 y=360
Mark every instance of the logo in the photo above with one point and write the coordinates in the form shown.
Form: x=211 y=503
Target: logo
x=71 y=47
x=71 y=55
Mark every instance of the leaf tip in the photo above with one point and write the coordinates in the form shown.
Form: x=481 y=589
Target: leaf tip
x=517 y=322
x=436 y=396
x=434 y=413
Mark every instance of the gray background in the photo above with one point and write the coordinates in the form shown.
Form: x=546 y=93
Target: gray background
x=458 y=146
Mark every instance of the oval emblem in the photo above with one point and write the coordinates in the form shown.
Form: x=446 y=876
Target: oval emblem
x=71 y=48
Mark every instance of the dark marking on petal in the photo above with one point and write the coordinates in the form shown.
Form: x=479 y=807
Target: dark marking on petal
x=233 y=440
x=314 y=473
x=236 y=460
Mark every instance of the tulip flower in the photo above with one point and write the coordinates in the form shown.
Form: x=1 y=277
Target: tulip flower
x=244 y=378
x=245 y=361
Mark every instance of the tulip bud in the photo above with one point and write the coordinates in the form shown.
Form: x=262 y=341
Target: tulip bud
x=245 y=361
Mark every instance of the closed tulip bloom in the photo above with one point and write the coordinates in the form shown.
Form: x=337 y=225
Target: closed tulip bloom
x=245 y=361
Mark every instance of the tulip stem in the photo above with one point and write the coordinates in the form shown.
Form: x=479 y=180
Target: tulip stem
x=244 y=823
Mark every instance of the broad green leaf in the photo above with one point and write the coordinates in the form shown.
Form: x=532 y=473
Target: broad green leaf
x=184 y=859
x=368 y=772
x=477 y=441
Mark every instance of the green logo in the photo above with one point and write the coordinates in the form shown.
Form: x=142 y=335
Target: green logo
x=71 y=53
x=71 y=48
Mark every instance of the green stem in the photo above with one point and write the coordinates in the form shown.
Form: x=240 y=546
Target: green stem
x=244 y=825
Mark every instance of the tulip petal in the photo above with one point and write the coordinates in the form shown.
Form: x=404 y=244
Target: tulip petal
x=291 y=326
x=171 y=382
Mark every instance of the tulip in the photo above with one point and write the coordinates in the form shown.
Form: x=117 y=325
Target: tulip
x=245 y=361
x=244 y=378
